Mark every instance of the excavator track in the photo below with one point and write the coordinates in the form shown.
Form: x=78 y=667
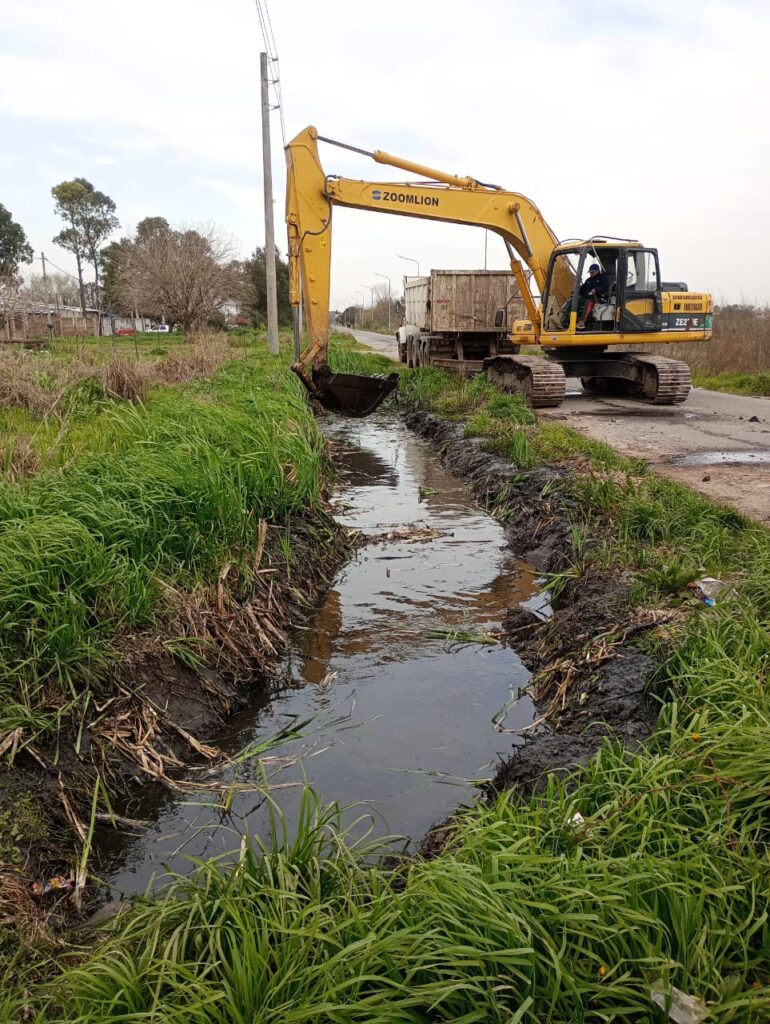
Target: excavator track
x=652 y=379
x=666 y=381
x=540 y=381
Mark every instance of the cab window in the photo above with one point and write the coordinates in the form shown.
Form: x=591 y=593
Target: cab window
x=642 y=272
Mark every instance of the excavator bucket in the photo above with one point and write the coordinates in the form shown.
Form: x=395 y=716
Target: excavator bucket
x=351 y=394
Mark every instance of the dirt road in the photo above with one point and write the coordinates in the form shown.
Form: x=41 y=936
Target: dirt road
x=716 y=443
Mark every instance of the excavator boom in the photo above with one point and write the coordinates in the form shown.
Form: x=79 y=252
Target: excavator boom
x=310 y=197
x=308 y=218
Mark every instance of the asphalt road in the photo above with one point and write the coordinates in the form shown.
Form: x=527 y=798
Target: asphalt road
x=385 y=344
x=716 y=443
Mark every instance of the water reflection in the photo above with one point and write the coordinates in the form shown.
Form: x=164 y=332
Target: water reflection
x=398 y=720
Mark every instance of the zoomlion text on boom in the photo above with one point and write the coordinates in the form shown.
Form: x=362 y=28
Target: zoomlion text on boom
x=401 y=197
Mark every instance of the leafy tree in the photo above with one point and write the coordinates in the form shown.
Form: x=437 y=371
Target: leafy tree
x=255 y=299
x=90 y=219
x=113 y=257
x=14 y=250
x=14 y=247
x=151 y=227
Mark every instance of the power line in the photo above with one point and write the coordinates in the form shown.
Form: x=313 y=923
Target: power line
x=271 y=48
x=61 y=271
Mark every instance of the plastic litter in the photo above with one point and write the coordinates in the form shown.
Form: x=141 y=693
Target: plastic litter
x=683 y=1009
x=576 y=821
x=56 y=884
x=707 y=589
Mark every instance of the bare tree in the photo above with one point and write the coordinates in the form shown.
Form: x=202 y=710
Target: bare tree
x=58 y=288
x=184 y=275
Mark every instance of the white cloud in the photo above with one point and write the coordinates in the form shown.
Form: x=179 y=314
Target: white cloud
x=637 y=120
x=248 y=197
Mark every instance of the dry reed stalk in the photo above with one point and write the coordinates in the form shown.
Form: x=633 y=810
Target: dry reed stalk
x=19 y=458
x=38 y=382
x=125 y=378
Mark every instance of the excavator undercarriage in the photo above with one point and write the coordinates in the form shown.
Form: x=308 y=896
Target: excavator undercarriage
x=652 y=379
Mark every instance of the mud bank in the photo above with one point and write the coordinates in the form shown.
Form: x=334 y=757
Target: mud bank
x=590 y=679
x=215 y=651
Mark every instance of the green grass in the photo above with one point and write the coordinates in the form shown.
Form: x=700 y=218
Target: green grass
x=140 y=499
x=524 y=917
x=757 y=384
x=505 y=421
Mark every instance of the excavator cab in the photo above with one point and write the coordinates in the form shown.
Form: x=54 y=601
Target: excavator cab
x=630 y=300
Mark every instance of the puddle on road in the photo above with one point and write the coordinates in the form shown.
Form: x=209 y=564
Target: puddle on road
x=746 y=458
x=399 y=720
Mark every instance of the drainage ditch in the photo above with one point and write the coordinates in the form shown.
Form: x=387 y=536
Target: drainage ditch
x=392 y=688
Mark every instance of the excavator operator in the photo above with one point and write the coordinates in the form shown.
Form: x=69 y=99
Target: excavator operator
x=595 y=288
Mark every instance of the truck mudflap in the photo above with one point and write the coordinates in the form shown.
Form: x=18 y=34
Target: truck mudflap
x=350 y=394
x=540 y=381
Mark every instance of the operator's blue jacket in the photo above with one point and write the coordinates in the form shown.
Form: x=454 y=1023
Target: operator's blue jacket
x=599 y=285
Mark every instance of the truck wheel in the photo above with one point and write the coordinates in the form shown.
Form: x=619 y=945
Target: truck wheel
x=410 y=353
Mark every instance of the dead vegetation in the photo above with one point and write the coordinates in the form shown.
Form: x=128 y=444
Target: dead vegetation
x=19 y=458
x=740 y=342
x=42 y=382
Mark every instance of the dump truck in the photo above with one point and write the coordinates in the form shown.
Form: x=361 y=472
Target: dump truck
x=455 y=319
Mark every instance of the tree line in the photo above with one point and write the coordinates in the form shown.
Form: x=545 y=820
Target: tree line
x=186 y=275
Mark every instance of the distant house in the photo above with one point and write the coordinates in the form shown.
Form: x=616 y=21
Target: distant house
x=34 y=321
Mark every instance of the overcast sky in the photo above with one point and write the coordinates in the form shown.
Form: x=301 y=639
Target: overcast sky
x=640 y=119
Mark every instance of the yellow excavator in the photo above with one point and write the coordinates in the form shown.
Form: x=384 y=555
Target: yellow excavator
x=577 y=331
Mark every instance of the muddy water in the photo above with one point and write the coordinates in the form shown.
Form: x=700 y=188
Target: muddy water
x=399 y=719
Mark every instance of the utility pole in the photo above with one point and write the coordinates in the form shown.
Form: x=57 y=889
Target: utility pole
x=48 y=321
x=267 y=172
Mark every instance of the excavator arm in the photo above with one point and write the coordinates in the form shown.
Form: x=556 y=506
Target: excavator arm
x=311 y=195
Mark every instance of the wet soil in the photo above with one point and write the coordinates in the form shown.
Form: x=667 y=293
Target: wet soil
x=605 y=698
x=158 y=709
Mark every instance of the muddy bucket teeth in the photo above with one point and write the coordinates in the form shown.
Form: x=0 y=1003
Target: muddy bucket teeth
x=351 y=394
